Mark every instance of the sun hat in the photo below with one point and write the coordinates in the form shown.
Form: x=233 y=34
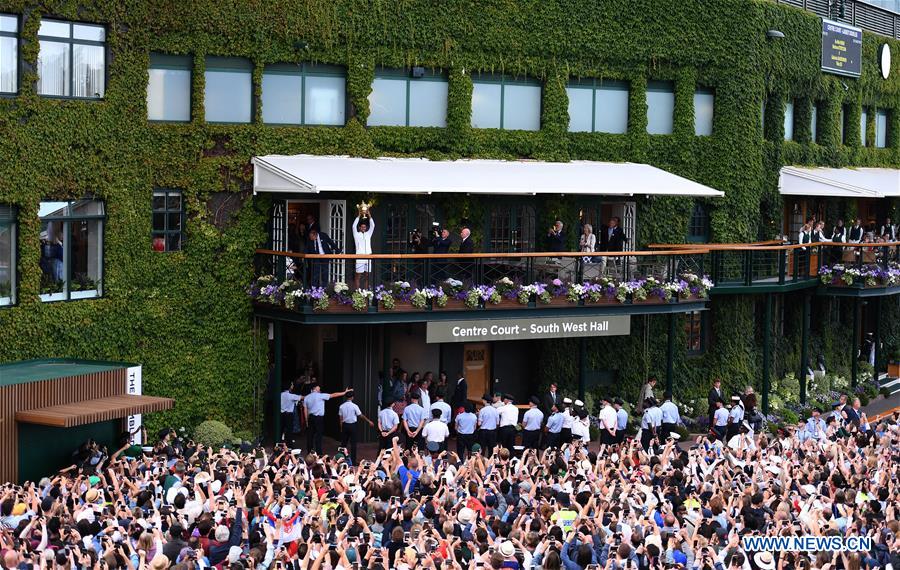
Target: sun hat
x=675 y=435
x=234 y=554
x=202 y=477
x=764 y=560
x=465 y=515
x=507 y=549
x=92 y=495
x=18 y=509
x=159 y=562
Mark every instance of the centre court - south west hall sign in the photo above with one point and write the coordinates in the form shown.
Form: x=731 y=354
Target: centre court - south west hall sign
x=527 y=328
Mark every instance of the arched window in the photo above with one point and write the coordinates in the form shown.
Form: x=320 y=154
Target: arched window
x=698 y=228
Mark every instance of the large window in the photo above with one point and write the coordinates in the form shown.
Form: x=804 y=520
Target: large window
x=881 y=128
x=704 y=100
x=511 y=229
x=843 y=124
x=71 y=249
x=660 y=107
x=72 y=60
x=694 y=333
x=169 y=88
x=863 y=121
x=500 y=102
x=598 y=106
x=401 y=98
x=168 y=220
x=814 y=123
x=229 y=90
x=9 y=54
x=304 y=94
x=7 y=256
x=789 y=121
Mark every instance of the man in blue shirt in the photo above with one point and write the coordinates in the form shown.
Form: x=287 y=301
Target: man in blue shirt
x=414 y=421
x=815 y=426
x=670 y=417
x=388 y=424
x=465 y=430
x=531 y=425
x=408 y=469
x=621 y=419
x=488 y=420
x=314 y=403
x=554 y=427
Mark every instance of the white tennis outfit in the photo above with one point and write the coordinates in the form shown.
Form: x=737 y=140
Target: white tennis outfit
x=363 y=242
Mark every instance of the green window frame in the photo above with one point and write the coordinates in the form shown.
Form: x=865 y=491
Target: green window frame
x=504 y=81
x=166 y=62
x=695 y=327
x=238 y=67
x=511 y=228
x=60 y=262
x=9 y=36
x=167 y=220
x=596 y=87
x=8 y=250
x=698 y=227
x=303 y=71
x=76 y=34
x=406 y=77
x=882 y=127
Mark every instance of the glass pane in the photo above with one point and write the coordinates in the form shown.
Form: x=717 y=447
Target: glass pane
x=9 y=23
x=325 y=101
x=159 y=201
x=158 y=241
x=863 y=119
x=169 y=95
x=486 y=106
x=581 y=103
x=387 y=103
x=174 y=221
x=7 y=271
x=522 y=107
x=228 y=96
x=90 y=33
x=55 y=29
x=703 y=113
x=85 y=255
x=814 y=123
x=789 y=121
x=90 y=70
x=53 y=242
x=281 y=98
x=612 y=109
x=428 y=104
x=9 y=63
x=660 y=109
x=53 y=209
x=881 y=128
x=173 y=243
x=159 y=222
x=173 y=201
x=843 y=140
x=87 y=208
x=53 y=69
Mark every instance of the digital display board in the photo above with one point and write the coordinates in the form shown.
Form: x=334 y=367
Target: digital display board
x=841 y=48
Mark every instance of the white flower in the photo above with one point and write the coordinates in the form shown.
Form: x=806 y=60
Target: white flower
x=341 y=287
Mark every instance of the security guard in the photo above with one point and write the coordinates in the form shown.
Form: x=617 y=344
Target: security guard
x=488 y=420
x=531 y=425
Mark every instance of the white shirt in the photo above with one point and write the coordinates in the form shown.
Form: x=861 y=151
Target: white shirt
x=436 y=431
x=581 y=429
x=289 y=402
x=670 y=413
x=568 y=418
x=509 y=415
x=363 y=240
x=444 y=407
x=349 y=412
x=425 y=401
x=608 y=417
x=720 y=417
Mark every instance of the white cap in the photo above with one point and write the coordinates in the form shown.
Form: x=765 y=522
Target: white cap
x=579 y=403
x=287 y=511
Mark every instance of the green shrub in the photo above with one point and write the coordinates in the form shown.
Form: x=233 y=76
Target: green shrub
x=242 y=435
x=213 y=433
x=789 y=417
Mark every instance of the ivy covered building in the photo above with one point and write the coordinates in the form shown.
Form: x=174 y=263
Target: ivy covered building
x=134 y=139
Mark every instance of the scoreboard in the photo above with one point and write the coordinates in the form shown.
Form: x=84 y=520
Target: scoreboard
x=841 y=48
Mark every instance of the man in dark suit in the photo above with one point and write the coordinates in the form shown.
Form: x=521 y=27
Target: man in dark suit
x=715 y=395
x=612 y=238
x=460 y=394
x=320 y=244
x=550 y=399
x=856 y=233
x=556 y=239
x=441 y=243
x=466 y=244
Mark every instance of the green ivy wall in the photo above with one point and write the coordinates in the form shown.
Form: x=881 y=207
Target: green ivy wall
x=184 y=315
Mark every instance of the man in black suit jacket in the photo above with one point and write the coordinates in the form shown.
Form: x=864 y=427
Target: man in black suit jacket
x=856 y=233
x=612 y=238
x=460 y=394
x=556 y=239
x=715 y=395
x=466 y=245
x=319 y=243
x=441 y=244
x=550 y=399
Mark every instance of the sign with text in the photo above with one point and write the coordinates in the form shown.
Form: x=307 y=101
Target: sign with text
x=841 y=48
x=525 y=329
x=134 y=387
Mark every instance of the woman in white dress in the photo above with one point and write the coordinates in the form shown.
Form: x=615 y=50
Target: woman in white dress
x=587 y=242
x=362 y=236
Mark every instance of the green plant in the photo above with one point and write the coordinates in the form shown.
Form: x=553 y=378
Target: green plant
x=244 y=435
x=213 y=433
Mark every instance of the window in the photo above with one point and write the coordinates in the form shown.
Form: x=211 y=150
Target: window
x=511 y=229
x=598 y=106
x=704 y=100
x=694 y=332
x=168 y=220
x=789 y=121
x=71 y=249
x=169 y=88
x=881 y=128
x=9 y=54
x=660 y=107
x=400 y=99
x=863 y=120
x=72 y=60
x=304 y=94
x=229 y=90
x=7 y=256
x=814 y=123
x=698 y=229
x=500 y=102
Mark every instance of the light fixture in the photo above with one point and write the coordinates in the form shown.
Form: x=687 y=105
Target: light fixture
x=774 y=34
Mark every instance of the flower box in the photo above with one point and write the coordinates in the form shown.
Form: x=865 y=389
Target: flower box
x=555 y=302
x=399 y=307
x=505 y=304
x=650 y=300
x=602 y=301
x=335 y=307
x=452 y=305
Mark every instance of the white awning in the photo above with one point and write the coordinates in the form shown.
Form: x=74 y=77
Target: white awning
x=840 y=182
x=313 y=174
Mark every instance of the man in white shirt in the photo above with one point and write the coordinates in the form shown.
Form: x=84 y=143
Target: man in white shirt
x=565 y=436
x=670 y=417
x=436 y=431
x=362 y=236
x=289 y=402
x=608 y=422
x=735 y=416
x=531 y=425
x=348 y=414
x=442 y=406
x=509 y=417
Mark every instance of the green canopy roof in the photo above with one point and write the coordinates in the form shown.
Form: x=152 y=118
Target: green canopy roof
x=27 y=371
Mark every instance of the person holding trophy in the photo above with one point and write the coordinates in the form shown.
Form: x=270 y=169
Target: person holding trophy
x=363 y=229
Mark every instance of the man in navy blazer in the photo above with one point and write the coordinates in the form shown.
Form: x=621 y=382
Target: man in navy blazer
x=612 y=238
x=319 y=243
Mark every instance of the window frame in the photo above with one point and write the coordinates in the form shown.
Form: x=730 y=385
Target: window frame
x=656 y=86
x=792 y=105
x=17 y=36
x=700 y=208
x=304 y=70
x=886 y=113
x=508 y=207
x=66 y=221
x=166 y=232
x=864 y=126
x=226 y=64
x=594 y=86
x=405 y=74
x=70 y=42
x=698 y=331
x=503 y=80
x=704 y=90
x=172 y=64
x=11 y=218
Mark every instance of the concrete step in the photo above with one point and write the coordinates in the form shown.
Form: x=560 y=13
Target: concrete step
x=892 y=385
